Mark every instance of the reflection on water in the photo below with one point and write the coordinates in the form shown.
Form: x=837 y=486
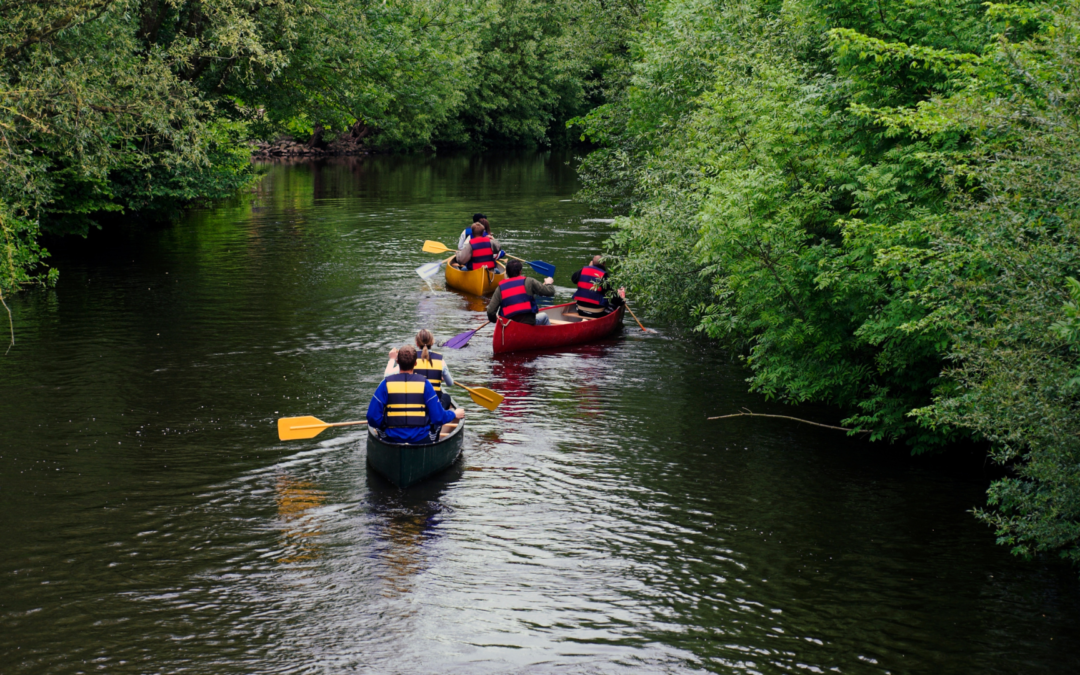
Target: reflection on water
x=597 y=523
x=406 y=525
x=299 y=525
x=472 y=303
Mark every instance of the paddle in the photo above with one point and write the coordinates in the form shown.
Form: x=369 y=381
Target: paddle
x=483 y=397
x=295 y=428
x=462 y=339
x=541 y=267
x=435 y=247
x=635 y=317
x=429 y=270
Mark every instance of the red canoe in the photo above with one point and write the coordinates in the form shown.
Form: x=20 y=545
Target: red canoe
x=567 y=328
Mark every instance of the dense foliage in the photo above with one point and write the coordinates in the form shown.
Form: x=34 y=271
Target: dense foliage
x=876 y=202
x=141 y=107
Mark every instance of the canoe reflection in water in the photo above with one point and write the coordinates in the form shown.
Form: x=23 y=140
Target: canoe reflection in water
x=406 y=527
x=514 y=377
x=474 y=304
x=590 y=375
x=300 y=527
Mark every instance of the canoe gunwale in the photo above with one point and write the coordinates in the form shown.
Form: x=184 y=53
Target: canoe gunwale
x=513 y=336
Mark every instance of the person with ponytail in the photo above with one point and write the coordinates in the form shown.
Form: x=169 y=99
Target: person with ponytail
x=405 y=407
x=429 y=364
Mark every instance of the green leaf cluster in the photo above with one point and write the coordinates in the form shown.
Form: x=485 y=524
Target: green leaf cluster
x=874 y=202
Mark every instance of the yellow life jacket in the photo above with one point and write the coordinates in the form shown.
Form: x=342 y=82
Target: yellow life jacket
x=431 y=369
x=405 y=406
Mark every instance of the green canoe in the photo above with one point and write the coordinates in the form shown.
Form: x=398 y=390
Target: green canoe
x=404 y=464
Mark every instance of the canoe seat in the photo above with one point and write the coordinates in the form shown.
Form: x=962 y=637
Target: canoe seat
x=556 y=322
x=575 y=315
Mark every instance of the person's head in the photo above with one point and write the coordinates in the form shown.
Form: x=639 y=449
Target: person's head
x=477 y=230
x=483 y=221
x=424 y=339
x=513 y=268
x=477 y=217
x=406 y=358
x=597 y=260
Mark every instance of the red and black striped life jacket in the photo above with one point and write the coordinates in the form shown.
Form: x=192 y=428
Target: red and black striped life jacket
x=588 y=292
x=515 y=300
x=482 y=255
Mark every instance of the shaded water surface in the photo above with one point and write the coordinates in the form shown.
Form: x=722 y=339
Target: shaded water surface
x=151 y=522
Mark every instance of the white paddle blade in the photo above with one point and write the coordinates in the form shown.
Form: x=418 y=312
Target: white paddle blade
x=429 y=270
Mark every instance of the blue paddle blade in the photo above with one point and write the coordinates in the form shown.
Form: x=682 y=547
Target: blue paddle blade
x=429 y=270
x=541 y=267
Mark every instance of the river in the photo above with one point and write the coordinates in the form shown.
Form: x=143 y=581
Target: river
x=152 y=522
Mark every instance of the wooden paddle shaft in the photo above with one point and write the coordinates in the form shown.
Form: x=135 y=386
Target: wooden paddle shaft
x=634 y=315
x=331 y=424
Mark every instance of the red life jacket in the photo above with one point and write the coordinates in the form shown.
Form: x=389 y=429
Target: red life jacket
x=515 y=300
x=588 y=284
x=482 y=255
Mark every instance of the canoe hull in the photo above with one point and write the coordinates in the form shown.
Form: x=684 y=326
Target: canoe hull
x=475 y=282
x=405 y=465
x=511 y=336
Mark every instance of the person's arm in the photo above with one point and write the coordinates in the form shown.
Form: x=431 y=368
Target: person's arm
x=436 y=413
x=447 y=379
x=493 y=306
x=495 y=248
x=611 y=298
x=536 y=288
x=464 y=238
x=375 y=409
x=391 y=365
x=575 y=277
x=464 y=255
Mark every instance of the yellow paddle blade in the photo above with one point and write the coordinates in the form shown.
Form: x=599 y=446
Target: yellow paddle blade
x=436 y=247
x=485 y=397
x=295 y=428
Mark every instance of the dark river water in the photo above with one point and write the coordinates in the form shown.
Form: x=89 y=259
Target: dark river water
x=153 y=523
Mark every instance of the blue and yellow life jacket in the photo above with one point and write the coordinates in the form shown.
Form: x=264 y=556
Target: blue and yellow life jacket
x=431 y=369
x=588 y=292
x=515 y=300
x=482 y=255
x=405 y=406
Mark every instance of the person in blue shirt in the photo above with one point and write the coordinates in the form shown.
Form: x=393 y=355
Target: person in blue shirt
x=405 y=407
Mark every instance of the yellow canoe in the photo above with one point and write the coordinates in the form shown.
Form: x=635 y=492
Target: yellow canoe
x=476 y=282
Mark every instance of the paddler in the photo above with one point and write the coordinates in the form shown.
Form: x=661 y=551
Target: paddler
x=480 y=251
x=515 y=298
x=429 y=364
x=405 y=407
x=478 y=218
x=467 y=232
x=593 y=296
